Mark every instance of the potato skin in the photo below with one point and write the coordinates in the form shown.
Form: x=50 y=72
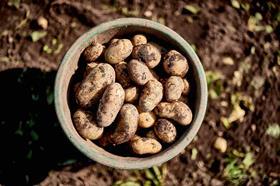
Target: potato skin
x=139 y=72
x=175 y=64
x=139 y=39
x=186 y=87
x=131 y=94
x=165 y=130
x=177 y=111
x=94 y=84
x=92 y=52
x=118 y=51
x=122 y=75
x=147 y=53
x=110 y=104
x=151 y=95
x=174 y=87
x=146 y=119
x=143 y=145
x=127 y=126
x=85 y=125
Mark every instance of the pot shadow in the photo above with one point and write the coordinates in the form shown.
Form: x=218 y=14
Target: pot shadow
x=31 y=140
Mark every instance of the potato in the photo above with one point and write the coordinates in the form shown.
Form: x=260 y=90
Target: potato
x=131 y=94
x=143 y=145
x=151 y=95
x=113 y=40
x=92 y=52
x=147 y=53
x=139 y=72
x=175 y=64
x=177 y=111
x=118 y=51
x=122 y=75
x=127 y=125
x=165 y=130
x=110 y=104
x=85 y=125
x=174 y=87
x=94 y=84
x=139 y=39
x=146 y=119
x=186 y=87
x=151 y=134
x=89 y=68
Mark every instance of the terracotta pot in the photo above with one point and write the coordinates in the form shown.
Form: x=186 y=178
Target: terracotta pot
x=103 y=33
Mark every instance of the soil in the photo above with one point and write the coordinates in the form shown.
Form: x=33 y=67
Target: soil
x=34 y=148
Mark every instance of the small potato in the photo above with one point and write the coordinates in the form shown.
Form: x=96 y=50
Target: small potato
x=85 y=125
x=113 y=40
x=151 y=134
x=175 y=64
x=151 y=95
x=177 y=111
x=131 y=94
x=139 y=72
x=94 y=84
x=139 y=39
x=110 y=104
x=122 y=74
x=174 y=87
x=147 y=53
x=146 y=119
x=142 y=145
x=127 y=126
x=92 y=52
x=118 y=51
x=186 y=87
x=165 y=130
x=89 y=68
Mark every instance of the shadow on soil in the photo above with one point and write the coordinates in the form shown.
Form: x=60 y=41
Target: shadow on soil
x=31 y=140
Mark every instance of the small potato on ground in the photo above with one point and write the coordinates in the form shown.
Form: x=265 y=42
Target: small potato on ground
x=131 y=94
x=93 y=51
x=122 y=75
x=85 y=125
x=110 y=104
x=165 y=130
x=143 y=145
x=151 y=95
x=139 y=39
x=147 y=53
x=175 y=64
x=127 y=125
x=139 y=72
x=94 y=84
x=146 y=119
x=118 y=51
x=174 y=87
x=177 y=111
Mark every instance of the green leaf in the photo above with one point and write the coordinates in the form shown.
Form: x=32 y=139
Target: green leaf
x=235 y=4
x=14 y=3
x=194 y=153
x=47 y=49
x=258 y=16
x=273 y=130
x=34 y=135
x=157 y=173
x=268 y=29
x=245 y=6
x=248 y=160
x=194 y=9
x=126 y=183
x=37 y=35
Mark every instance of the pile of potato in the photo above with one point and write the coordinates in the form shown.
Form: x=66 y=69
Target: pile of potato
x=130 y=97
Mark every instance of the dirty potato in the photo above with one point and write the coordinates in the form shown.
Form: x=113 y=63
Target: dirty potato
x=165 y=130
x=94 y=84
x=151 y=95
x=131 y=94
x=118 y=51
x=110 y=104
x=89 y=68
x=143 y=145
x=174 y=87
x=139 y=72
x=146 y=119
x=147 y=53
x=122 y=74
x=177 y=111
x=127 y=125
x=85 y=125
x=186 y=87
x=92 y=52
x=175 y=64
x=139 y=39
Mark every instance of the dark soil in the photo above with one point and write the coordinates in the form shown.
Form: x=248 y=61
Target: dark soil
x=34 y=150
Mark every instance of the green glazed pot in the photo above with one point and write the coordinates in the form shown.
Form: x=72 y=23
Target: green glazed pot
x=102 y=34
